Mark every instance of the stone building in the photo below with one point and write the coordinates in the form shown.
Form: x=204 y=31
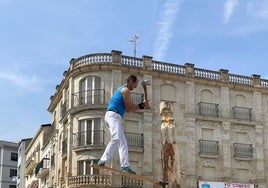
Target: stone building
x=22 y=161
x=219 y=123
x=38 y=159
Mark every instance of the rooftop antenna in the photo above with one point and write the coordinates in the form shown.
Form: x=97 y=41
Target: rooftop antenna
x=134 y=41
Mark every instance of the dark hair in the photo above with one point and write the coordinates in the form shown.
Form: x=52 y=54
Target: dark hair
x=131 y=77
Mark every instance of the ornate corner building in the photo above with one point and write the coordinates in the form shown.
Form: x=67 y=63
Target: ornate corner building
x=203 y=126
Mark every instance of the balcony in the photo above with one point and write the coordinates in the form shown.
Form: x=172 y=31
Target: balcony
x=88 y=139
x=30 y=164
x=64 y=108
x=208 y=147
x=242 y=113
x=94 y=96
x=102 y=180
x=42 y=168
x=243 y=150
x=87 y=180
x=134 y=140
x=208 y=109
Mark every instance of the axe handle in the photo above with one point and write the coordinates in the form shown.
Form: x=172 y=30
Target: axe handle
x=145 y=91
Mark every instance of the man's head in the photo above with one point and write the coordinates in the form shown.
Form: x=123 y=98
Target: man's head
x=132 y=82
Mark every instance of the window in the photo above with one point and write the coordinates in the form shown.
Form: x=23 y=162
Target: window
x=12 y=186
x=85 y=169
x=89 y=132
x=13 y=172
x=14 y=156
x=90 y=90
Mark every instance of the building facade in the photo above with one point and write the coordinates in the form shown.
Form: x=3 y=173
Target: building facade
x=37 y=163
x=215 y=133
x=8 y=164
x=21 y=162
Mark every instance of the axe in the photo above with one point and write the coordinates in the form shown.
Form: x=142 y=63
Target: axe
x=144 y=84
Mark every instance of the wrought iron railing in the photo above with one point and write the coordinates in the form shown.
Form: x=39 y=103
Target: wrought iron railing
x=93 y=96
x=88 y=138
x=64 y=108
x=43 y=164
x=137 y=97
x=210 y=109
x=242 y=113
x=243 y=150
x=208 y=147
x=134 y=139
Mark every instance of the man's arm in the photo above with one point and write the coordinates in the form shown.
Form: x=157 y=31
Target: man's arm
x=130 y=106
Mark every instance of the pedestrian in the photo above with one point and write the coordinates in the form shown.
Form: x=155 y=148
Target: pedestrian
x=120 y=103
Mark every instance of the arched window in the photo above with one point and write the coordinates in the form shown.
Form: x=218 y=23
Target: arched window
x=90 y=90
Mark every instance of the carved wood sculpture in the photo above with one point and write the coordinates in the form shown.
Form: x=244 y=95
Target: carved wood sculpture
x=169 y=153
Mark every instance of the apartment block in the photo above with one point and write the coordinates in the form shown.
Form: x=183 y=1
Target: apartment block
x=8 y=164
x=38 y=158
x=21 y=162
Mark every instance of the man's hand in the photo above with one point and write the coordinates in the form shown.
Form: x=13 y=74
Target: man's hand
x=146 y=104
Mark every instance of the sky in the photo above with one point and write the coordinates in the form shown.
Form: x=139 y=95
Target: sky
x=39 y=38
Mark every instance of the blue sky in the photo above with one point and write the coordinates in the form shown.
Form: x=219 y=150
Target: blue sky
x=38 y=39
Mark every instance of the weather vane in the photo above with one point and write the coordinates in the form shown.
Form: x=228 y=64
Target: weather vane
x=134 y=41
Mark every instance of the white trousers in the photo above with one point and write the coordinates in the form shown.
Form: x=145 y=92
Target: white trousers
x=118 y=140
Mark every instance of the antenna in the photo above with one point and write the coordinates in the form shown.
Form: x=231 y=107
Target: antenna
x=134 y=41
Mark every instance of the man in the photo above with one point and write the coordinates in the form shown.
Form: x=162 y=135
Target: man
x=120 y=103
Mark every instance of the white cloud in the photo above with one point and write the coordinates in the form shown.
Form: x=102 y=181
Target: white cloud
x=229 y=9
x=166 y=24
x=23 y=82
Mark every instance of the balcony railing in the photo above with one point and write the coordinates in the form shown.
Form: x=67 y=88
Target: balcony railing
x=137 y=98
x=94 y=96
x=242 y=113
x=208 y=109
x=101 y=180
x=42 y=168
x=130 y=182
x=243 y=150
x=208 y=147
x=134 y=140
x=30 y=166
x=64 y=108
x=88 y=138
